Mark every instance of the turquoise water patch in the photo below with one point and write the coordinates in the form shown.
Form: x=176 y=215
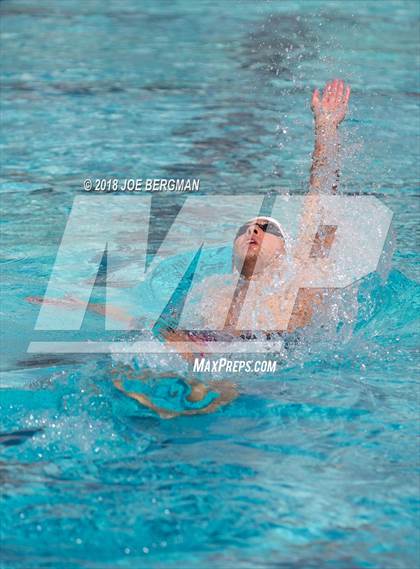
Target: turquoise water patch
x=314 y=466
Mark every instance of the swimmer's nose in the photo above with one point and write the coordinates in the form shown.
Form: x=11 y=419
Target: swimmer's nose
x=252 y=229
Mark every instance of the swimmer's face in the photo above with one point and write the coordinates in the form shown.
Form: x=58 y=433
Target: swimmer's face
x=258 y=244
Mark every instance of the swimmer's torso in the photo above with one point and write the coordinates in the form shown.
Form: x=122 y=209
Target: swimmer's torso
x=221 y=302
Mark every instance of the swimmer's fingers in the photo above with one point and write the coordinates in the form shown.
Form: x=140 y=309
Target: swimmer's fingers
x=332 y=93
x=342 y=103
x=329 y=92
x=343 y=94
x=327 y=89
x=315 y=101
x=322 y=101
x=347 y=95
x=331 y=107
x=339 y=92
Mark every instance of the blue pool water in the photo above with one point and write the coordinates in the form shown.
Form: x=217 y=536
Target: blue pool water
x=316 y=467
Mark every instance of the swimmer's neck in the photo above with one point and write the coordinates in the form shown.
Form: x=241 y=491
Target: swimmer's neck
x=249 y=273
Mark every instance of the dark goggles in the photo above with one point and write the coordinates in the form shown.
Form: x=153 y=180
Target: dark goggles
x=265 y=226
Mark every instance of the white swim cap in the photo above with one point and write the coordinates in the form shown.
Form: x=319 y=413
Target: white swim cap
x=278 y=225
x=270 y=220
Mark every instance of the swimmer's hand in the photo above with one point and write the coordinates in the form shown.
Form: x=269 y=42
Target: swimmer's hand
x=330 y=108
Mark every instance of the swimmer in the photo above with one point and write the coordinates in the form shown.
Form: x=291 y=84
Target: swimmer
x=259 y=256
x=260 y=247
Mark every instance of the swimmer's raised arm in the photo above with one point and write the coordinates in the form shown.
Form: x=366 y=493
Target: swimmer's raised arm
x=329 y=110
x=299 y=301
